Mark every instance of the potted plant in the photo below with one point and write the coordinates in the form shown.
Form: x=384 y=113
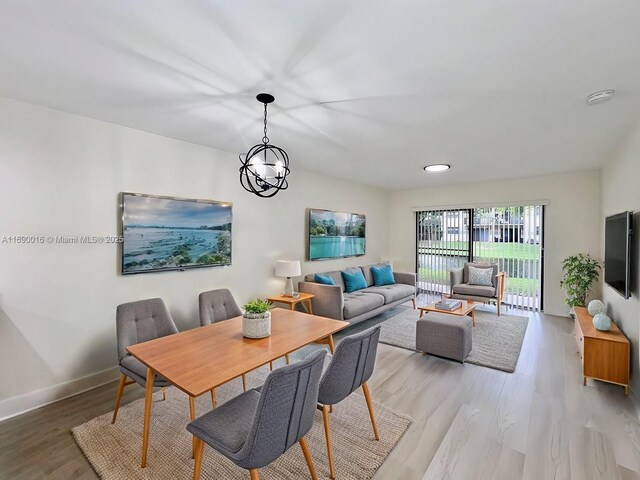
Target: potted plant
x=256 y=320
x=580 y=272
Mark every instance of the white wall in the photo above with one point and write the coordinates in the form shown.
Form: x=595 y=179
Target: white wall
x=620 y=192
x=572 y=218
x=60 y=174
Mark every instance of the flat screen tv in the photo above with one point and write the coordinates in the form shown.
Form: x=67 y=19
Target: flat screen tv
x=335 y=234
x=617 y=252
x=168 y=233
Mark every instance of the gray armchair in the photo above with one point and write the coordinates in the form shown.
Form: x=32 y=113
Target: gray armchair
x=461 y=288
x=256 y=427
x=217 y=306
x=350 y=368
x=138 y=322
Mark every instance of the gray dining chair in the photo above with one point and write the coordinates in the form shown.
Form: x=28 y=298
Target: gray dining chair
x=256 y=427
x=138 y=322
x=217 y=306
x=349 y=368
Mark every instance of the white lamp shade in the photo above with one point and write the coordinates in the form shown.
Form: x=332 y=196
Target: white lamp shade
x=287 y=268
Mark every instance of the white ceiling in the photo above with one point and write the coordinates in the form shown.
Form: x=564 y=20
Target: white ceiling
x=370 y=90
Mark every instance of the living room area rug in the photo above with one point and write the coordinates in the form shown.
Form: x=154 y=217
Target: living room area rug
x=497 y=341
x=114 y=450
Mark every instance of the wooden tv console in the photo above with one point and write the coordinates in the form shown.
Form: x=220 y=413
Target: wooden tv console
x=605 y=355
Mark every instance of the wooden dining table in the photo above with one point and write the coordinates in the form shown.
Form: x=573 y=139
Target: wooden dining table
x=197 y=361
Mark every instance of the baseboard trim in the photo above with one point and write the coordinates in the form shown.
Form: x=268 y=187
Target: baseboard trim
x=24 y=403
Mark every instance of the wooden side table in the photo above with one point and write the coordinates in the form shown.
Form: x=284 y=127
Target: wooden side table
x=304 y=299
x=292 y=302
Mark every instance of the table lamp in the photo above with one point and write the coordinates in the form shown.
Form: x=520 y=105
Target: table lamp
x=288 y=269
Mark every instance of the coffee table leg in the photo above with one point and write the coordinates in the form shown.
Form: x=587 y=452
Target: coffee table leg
x=310 y=307
x=473 y=317
x=147 y=415
x=421 y=313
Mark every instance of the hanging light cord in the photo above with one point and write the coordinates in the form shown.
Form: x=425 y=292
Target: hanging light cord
x=265 y=139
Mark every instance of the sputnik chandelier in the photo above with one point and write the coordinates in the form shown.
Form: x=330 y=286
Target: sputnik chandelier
x=264 y=167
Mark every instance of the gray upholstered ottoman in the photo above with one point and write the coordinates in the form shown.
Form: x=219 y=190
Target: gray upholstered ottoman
x=444 y=335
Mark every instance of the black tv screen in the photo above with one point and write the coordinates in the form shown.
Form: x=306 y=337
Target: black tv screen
x=617 y=252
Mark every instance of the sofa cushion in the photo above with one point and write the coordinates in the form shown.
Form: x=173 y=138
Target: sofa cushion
x=324 y=279
x=366 y=270
x=353 y=280
x=474 y=290
x=480 y=276
x=492 y=266
x=392 y=293
x=382 y=275
x=357 y=303
x=335 y=275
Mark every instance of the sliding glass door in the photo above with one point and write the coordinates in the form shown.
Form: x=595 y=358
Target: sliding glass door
x=510 y=236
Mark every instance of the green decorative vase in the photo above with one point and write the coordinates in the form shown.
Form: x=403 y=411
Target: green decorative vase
x=602 y=322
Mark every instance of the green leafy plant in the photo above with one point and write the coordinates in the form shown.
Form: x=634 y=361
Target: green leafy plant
x=258 y=306
x=580 y=272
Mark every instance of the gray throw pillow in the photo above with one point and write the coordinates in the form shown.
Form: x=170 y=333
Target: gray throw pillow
x=480 y=276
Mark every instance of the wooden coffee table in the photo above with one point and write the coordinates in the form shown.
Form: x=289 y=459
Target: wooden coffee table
x=467 y=308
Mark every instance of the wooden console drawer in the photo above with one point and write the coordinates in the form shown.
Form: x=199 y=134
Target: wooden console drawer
x=605 y=355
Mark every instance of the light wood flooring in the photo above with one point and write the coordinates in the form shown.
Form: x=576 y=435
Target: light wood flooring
x=469 y=422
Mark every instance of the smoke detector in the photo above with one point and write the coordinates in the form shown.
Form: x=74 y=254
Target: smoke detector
x=600 y=96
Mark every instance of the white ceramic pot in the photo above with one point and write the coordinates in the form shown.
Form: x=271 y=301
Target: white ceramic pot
x=256 y=325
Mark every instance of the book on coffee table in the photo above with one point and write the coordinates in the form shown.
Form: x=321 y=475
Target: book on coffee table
x=448 y=304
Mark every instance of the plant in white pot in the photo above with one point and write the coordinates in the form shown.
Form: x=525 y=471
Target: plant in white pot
x=256 y=320
x=580 y=273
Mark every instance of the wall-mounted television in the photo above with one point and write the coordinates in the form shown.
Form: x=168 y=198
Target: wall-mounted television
x=335 y=234
x=169 y=233
x=617 y=252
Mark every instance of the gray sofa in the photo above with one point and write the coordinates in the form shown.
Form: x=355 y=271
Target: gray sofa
x=333 y=302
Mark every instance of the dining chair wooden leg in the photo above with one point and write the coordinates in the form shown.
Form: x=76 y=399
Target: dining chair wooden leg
x=286 y=358
x=330 y=408
x=197 y=465
x=164 y=393
x=254 y=474
x=213 y=398
x=192 y=414
x=123 y=379
x=367 y=396
x=327 y=436
x=244 y=382
x=307 y=457
x=148 y=397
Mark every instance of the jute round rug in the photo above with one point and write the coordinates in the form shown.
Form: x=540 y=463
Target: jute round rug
x=114 y=450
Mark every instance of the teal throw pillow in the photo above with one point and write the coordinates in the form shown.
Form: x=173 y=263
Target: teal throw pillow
x=353 y=281
x=382 y=275
x=324 y=279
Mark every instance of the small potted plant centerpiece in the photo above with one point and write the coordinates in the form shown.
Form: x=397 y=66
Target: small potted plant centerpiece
x=256 y=320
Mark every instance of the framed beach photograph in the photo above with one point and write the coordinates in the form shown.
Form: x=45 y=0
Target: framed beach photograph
x=335 y=234
x=168 y=233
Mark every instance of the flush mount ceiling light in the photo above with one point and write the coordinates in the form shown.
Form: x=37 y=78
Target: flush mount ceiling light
x=264 y=167
x=437 y=167
x=600 y=96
